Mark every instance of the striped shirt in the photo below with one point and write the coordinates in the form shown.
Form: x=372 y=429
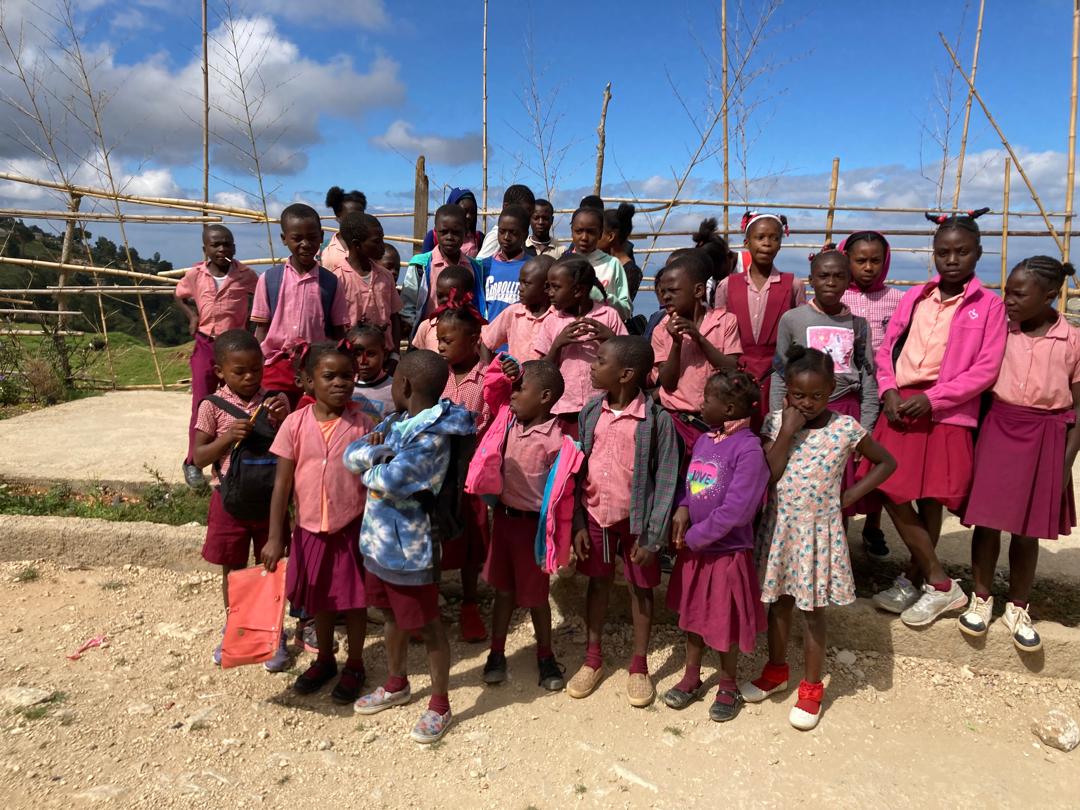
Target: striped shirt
x=876 y=308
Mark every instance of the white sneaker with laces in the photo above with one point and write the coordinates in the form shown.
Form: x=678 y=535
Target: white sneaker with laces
x=975 y=621
x=933 y=603
x=1018 y=620
x=899 y=597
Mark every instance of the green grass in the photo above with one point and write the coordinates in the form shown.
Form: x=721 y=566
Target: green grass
x=674 y=731
x=39 y=710
x=28 y=574
x=173 y=504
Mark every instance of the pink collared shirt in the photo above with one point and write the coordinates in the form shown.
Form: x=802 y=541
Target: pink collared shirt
x=425 y=337
x=757 y=299
x=438 y=264
x=876 y=308
x=527 y=460
x=334 y=254
x=720 y=328
x=320 y=477
x=469 y=393
x=1039 y=372
x=611 y=462
x=299 y=313
x=220 y=308
x=920 y=359
x=371 y=298
x=575 y=359
x=517 y=327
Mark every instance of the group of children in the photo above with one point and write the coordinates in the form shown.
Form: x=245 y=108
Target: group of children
x=525 y=433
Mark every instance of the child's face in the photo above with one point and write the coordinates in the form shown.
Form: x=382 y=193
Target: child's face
x=468 y=205
x=457 y=343
x=370 y=354
x=542 y=218
x=219 y=248
x=718 y=407
x=809 y=393
x=451 y=233
x=511 y=236
x=658 y=287
x=956 y=252
x=391 y=259
x=606 y=373
x=443 y=287
x=529 y=399
x=585 y=232
x=1025 y=297
x=829 y=278
x=867 y=261
x=373 y=247
x=303 y=237
x=532 y=281
x=763 y=241
x=607 y=239
x=242 y=372
x=561 y=289
x=679 y=293
x=332 y=380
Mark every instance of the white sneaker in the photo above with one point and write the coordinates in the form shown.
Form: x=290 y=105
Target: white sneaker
x=1018 y=620
x=933 y=603
x=976 y=619
x=899 y=597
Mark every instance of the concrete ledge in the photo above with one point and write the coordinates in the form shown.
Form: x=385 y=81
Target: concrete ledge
x=861 y=627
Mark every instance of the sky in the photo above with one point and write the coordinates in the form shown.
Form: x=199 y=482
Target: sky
x=350 y=93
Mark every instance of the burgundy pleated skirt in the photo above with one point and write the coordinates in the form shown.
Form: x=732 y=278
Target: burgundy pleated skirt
x=326 y=571
x=717 y=596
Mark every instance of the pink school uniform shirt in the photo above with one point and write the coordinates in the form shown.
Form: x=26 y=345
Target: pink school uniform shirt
x=757 y=299
x=334 y=253
x=575 y=359
x=920 y=359
x=1039 y=372
x=439 y=263
x=426 y=337
x=469 y=393
x=720 y=328
x=517 y=328
x=609 y=480
x=213 y=421
x=371 y=298
x=320 y=478
x=299 y=313
x=527 y=459
x=223 y=307
x=876 y=307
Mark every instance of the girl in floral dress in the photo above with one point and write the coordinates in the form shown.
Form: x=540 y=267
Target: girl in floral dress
x=801 y=539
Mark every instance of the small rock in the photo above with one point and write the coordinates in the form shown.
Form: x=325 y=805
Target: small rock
x=197 y=721
x=140 y=708
x=845 y=658
x=16 y=629
x=23 y=697
x=325 y=745
x=966 y=672
x=100 y=793
x=370 y=737
x=1057 y=730
x=230 y=742
x=263 y=734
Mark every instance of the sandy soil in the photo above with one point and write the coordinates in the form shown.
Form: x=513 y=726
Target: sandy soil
x=149 y=721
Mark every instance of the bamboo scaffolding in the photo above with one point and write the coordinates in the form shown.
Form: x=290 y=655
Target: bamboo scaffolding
x=1005 y=225
x=87 y=290
x=967 y=108
x=833 y=183
x=724 y=106
x=601 y=141
x=65 y=250
x=420 y=198
x=82 y=268
x=43 y=333
x=206 y=111
x=878 y=209
x=57 y=312
x=5 y=300
x=102 y=216
x=1070 y=175
x=484 y=133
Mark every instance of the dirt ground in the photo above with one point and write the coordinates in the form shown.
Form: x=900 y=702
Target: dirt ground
x=149 y=721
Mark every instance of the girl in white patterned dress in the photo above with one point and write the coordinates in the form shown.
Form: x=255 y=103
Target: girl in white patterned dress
x=801 y=539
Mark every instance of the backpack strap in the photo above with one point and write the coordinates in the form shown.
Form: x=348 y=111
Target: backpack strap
x=228 y=407
x=273 y=278
x=328 y=284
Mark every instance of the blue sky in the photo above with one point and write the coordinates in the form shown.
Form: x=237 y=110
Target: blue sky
x=355 y=89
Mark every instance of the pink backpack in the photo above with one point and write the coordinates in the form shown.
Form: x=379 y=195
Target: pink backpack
x=484 y=476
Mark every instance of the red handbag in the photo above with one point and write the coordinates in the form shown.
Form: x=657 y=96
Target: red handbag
x=256 y=613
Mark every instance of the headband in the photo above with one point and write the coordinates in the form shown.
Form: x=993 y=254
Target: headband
x=750 y=217
x=941 y=219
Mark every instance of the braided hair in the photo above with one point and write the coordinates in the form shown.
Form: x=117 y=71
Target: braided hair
x=801 y=360
x=580 y=269
x=336 y=198
x=962 y=221
x=738 y=385
x=708 y=240
x=459 y=308
x=309 y=354
x=1048 y=271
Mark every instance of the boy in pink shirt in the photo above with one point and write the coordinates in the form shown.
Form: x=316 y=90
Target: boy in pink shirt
x=514 y=329
x=630 y=477
x=454 y=281
x=532 y=445
x=220 y=289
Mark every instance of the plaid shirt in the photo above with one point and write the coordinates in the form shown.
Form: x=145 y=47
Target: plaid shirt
x=876 y=308
x=656 y=471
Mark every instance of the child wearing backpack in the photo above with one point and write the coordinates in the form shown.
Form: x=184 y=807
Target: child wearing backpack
x=238 y=416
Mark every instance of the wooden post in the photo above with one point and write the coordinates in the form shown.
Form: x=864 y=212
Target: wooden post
x=1005 y=225
x=420 y=201
x=484 y=155
x=65 y=255
x=967 y=108
x=724 y=110
x=601 y=141
x=833 y=183
x=1070 y=175
x=206 y=111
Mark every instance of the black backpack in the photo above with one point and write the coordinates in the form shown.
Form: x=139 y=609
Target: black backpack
x=445 y=509
x=248 y=483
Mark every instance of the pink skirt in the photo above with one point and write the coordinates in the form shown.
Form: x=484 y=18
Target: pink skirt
x=1018 y=484
x=717 y=596
x=326 y=571
x=933 y=460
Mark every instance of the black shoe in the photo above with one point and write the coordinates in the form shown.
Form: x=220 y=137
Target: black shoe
x=874 y=543
x=348 y=686
x=194 y=477
x=495 y=668
x=315 y=678
x=722 y=712
x=552 y=674
x=667 y=561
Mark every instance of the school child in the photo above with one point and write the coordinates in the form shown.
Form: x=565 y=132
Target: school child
x=696 y=259
x=802 y=535
x=714 y=587
x=373 y=379
x=470 y=245
x=532 y=445
x=571 y=335
x=341 y=202
x=629 y=480
x=501 y=272
x=403 y=464
x=516 y=194
x=758 y=295
x=458 y=332
x=218 y=429
x=297 y=303
x=418 y=292
x=868 y=297
x=942 y=350
x=689 y=343
x=1027 y=444
x=586 y=229
x=325 y=575
x=617 y=227
x=455 y=286
x=714 y=246
x=516 y=326
x=220 y=289
x=540 y=239
x=391 y=260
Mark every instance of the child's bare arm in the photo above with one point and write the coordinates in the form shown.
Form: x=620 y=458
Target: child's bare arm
x=260 y=330
x=778 y=450
x=274 y=549
x=189 y=313
x=884 y=466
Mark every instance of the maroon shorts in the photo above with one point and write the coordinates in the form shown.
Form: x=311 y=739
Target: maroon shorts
x=619 y=543
x=229 y=540
x=412 y=606
x=511 y=562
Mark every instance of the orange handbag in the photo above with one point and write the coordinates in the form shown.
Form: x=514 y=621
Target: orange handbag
x=256 y=613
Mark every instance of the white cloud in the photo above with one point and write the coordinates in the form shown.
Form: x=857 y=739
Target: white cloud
x=399 y=137
x=370 y=14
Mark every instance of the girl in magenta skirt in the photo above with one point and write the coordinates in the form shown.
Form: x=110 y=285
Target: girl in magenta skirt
x=942 y=350
x=1026 y=448
x=714 y=586
x=325 y=576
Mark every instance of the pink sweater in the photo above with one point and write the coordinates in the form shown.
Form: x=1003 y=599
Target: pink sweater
x=973 y=353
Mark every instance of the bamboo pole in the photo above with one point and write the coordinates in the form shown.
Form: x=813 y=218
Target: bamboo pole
x=484 y=145
x=57 y=312
x=82 y=268
x=1070 y=175
x=65 y=251
x=4 y=299
x=1005 y=142
x=967 y=108
x=85 y=290
x=601 y=141
x=724 y=107
x=206 y=112
x=102 y=216
x=1005 y=225
x=834 y=181
x=420 y=200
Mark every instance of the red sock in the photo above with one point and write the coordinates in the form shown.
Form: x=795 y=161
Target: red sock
x=810 y=697
x=355 y=664
x=728 y=685
x=326 y=659
x=439 y=703
x=1019 y=603
x=691 y=679
x=639 y=665
x=593 y=658
x=942 y=587
x=983 y=596
x=396 y=683
x=772 y=676
x=543 y=652
x=498 y=644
